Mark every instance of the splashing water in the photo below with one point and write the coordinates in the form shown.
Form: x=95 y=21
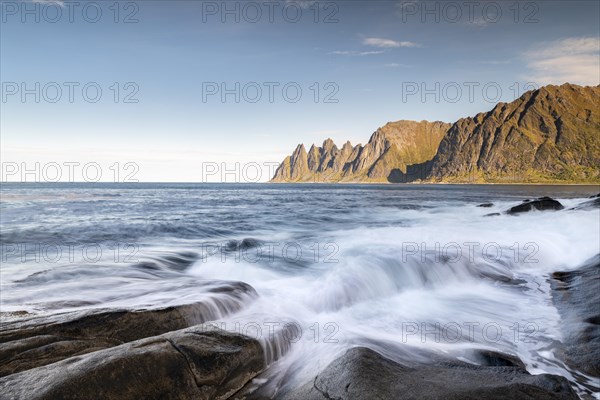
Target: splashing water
x=396 y=268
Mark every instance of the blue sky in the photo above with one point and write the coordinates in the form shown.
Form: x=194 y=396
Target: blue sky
x=372 y=58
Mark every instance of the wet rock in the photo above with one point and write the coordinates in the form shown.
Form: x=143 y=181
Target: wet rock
x=496 y=359
x=541 y=204
x=486 y=205
x=194 y=363
x=33 y=342
x=576 y=295
x=492 y=215
x=589 y=204
x=173 y=261
x=362 y=373
x=245 y=244
x=14 y=314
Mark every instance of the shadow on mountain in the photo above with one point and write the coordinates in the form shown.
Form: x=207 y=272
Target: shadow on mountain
x=415 y=172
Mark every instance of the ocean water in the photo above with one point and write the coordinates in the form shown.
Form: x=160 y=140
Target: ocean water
x=398 y=268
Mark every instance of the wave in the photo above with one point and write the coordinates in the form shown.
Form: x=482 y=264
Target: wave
x=396 y=270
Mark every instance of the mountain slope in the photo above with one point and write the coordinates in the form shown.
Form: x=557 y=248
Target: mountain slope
x=549 y=134
x=393 y=146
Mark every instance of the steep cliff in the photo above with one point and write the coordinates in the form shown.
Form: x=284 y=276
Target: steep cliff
x=550 y=134
x=393 y=146
x=547 y=135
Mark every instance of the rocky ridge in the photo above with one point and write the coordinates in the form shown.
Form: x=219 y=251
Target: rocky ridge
x=551 y=134
x=391 y=147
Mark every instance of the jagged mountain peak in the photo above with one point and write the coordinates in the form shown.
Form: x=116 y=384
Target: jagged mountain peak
x=411 y=141
x=551 y=134
x=547 y=134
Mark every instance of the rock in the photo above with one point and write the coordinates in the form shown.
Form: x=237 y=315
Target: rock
x=194 y=363
x=541 y=204
x=492 y=215
x=589 y=204
x=33 y=342
x=576 y=295
x=362 y=373
x=244 y=244
x=548 y=134
x=389 y=150
x=486 y=205
x=497 y=359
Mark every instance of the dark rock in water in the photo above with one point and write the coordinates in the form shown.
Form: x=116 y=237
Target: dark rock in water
x=496 y=359
x=596 y=196
x=181 y=261
x=541 y=204
x=362 y=373
x=486 y=205
x=174 y=261
x=492 y=215
x=245 y=244
x=589 y=204
x=33 y=342
x=195 y=363
x=576 y=295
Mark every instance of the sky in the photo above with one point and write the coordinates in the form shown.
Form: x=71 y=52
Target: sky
x=203 y=91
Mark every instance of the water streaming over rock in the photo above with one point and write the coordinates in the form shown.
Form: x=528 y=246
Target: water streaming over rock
x=399 y=269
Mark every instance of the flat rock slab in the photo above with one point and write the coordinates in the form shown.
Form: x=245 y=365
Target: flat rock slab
x=589 y=204
x=362 y=373
x=576 y=295
x=194 y=363
x=37 y=341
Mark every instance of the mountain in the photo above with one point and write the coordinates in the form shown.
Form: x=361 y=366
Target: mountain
x=547 y=135
x=391 y=147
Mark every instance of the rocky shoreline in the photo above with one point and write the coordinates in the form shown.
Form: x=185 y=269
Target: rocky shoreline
x=204 y=362
x=176 y=353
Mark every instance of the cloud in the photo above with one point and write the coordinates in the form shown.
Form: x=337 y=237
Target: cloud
x=573 y=60
x=59 y=3
x=478 y=22
x=388 y=43
x=495 y=62
x=305 y=4
x=355 y=53
x=397 y=65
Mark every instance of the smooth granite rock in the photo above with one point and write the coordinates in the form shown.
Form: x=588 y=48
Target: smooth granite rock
x=194 y=363
x=576 y=295
x=363 y=374
x=36 y=341
x=541 y=204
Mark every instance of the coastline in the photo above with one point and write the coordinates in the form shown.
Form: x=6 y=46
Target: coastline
x=441 y=183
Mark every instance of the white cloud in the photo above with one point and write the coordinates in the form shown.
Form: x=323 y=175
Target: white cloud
x=396 y=65
x=478 y=22
x=301 y=3
x=495 y=62
x=388 y=43
x=355 y=53
x=59 y=3
x=573 y=60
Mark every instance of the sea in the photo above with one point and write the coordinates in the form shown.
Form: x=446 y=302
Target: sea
x=407 y=270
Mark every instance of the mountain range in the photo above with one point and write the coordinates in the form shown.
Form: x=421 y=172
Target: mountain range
x=551 y=134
